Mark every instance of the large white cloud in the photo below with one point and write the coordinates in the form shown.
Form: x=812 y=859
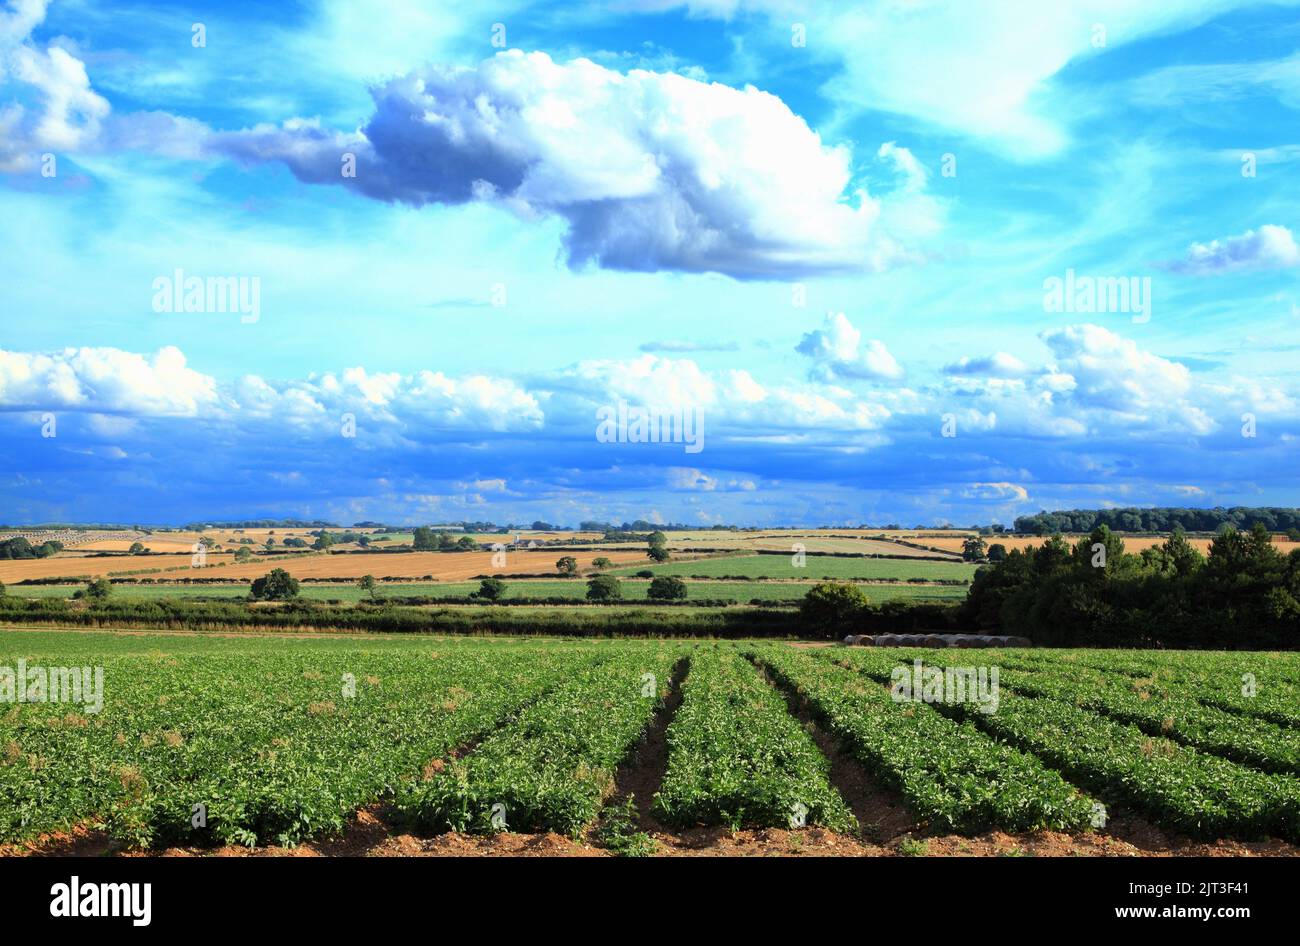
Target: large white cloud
x=412 y=407
x=1100 y=384
x=104 y=380
x=112 y=381
x=651 y=171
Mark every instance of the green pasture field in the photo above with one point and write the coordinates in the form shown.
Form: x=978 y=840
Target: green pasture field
x=816 y=567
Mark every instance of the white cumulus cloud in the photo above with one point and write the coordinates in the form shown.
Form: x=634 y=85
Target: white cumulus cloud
x=104 y=381
x=651 y=171
x=838 y=350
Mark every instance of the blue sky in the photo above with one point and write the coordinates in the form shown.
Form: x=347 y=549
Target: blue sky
x=829 y=230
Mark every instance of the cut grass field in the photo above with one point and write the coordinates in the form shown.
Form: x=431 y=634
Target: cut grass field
x=633 y=589
x=288 y=740
x=816 y=568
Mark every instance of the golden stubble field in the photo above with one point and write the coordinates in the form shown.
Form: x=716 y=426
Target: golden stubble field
x=66 y=566
x=444 y=566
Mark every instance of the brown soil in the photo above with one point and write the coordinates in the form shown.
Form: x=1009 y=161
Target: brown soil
x=641 y=776
x=372 y=835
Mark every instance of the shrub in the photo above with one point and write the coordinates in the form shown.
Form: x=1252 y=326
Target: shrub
x=602 y=562
x=493 y=589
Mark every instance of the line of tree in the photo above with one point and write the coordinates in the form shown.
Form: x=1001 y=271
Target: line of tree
x=1161 y=519
x=1244 y=595
x=424 y=539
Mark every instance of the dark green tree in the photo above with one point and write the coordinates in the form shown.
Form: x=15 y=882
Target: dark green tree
x=666 y=588
x=604 y=588
x=276 y=585
x=833 y=609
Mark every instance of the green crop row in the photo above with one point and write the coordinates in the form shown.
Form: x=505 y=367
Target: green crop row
x=253 y=748
x=1260 y=685
x=951 y=775
x=1159 y=710
x=552 y=769
x=1173 y=784
x=737 y=757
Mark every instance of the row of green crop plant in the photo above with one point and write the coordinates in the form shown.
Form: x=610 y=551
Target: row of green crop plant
x=1161 y=710
x=254 y=748
x=1173 y=784
x=1256 y=684
x=554 y=767
x=951 y=775
x=738 y=758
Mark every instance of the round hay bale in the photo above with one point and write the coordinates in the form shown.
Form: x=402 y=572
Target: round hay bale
x=866 y=640
x=933 y=640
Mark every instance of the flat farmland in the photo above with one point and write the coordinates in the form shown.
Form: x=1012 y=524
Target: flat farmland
x=64 y=566
x=299 y=740
x=184 y=541
x=816 y=568
x=506 y=538
x=784 y=542
x=633 y=590
x=445 y=566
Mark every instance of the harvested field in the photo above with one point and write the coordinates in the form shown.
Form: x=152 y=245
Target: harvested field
x=444 y=566
x=64 y=566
